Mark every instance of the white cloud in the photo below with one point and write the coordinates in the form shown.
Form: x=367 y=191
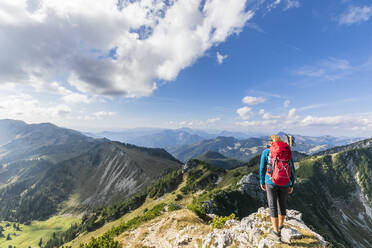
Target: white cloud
x=273 y=5
x=286 y=103
x=327 y=120
x=291 y=113
x=96 y=116
x=312 y=106
x=106 y=49
x=68 y=96
x=329 y=69
x=26 y=107
x=213 y=120
x=251 y=100
x=292 y=4
x=254 y=26
x=186 y=123
x=268 y=116
x=7 y=86
x=103 y=114
x=261 y=112
x=221 y=58
x=265 y=123
x=199 y=123
x=356 y=15
x=245 y=113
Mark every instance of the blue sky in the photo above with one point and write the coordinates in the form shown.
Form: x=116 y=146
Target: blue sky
x=256 y=66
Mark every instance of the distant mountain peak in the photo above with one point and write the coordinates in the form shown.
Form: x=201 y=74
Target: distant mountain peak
x=212 y=155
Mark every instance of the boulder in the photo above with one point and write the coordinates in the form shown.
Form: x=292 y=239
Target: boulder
x=289 y=234
x=250 y=185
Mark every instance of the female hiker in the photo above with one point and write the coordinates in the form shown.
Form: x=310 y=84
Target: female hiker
x=277 y=176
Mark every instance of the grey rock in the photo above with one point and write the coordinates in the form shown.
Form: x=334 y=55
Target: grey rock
x=289 y=234
x=184 y=240
x=189 y=165
x=250 y=184
x=254 y=231
x=208 y=207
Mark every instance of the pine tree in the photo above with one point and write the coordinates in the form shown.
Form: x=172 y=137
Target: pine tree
x=8 y=237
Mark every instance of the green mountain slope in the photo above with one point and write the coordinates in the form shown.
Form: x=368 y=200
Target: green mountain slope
x=219 y=160
x=230 y=147
x=335 y=196
x=45 y=169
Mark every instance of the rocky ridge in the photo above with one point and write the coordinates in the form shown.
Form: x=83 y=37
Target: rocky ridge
x=255 y=230
x=184 y=229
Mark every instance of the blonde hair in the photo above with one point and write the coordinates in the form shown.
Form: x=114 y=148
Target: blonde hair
x=275 y=138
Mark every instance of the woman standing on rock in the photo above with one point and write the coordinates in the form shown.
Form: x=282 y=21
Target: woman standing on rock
x=277 y=176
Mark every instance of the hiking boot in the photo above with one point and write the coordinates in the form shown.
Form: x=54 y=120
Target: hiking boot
x=275 y=236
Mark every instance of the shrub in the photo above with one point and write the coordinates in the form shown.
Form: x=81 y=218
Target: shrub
x=198 y=210
x=236 y=174
x=219 y=222
x=173 y=207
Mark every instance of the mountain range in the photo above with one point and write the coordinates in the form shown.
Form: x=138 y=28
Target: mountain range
x=187 y=143
x=115 y=187
x=332 y=195
x=248 y=148
x=164 y=138
x=45 y=169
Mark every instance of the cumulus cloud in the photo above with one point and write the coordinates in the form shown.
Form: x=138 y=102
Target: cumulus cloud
x=251 y=100
x=68 y=96
x=221 y=58
x=245 y=113
x=268 y=116
x=26 y=107
x=356 y=15
x=111 y=48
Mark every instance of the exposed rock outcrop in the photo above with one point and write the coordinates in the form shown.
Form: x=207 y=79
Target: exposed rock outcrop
x=189 y=165
x=249 y=184
x=255 y=231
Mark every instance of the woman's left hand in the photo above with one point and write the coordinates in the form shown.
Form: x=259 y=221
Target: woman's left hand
x=290 y=190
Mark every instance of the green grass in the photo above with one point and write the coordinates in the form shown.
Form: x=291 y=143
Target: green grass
x=30 y=234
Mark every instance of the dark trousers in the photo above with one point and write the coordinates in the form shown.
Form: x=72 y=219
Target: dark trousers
x=277 y=199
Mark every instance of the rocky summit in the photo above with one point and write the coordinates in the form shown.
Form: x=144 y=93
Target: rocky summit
x=184 y=229
x=255 y=231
